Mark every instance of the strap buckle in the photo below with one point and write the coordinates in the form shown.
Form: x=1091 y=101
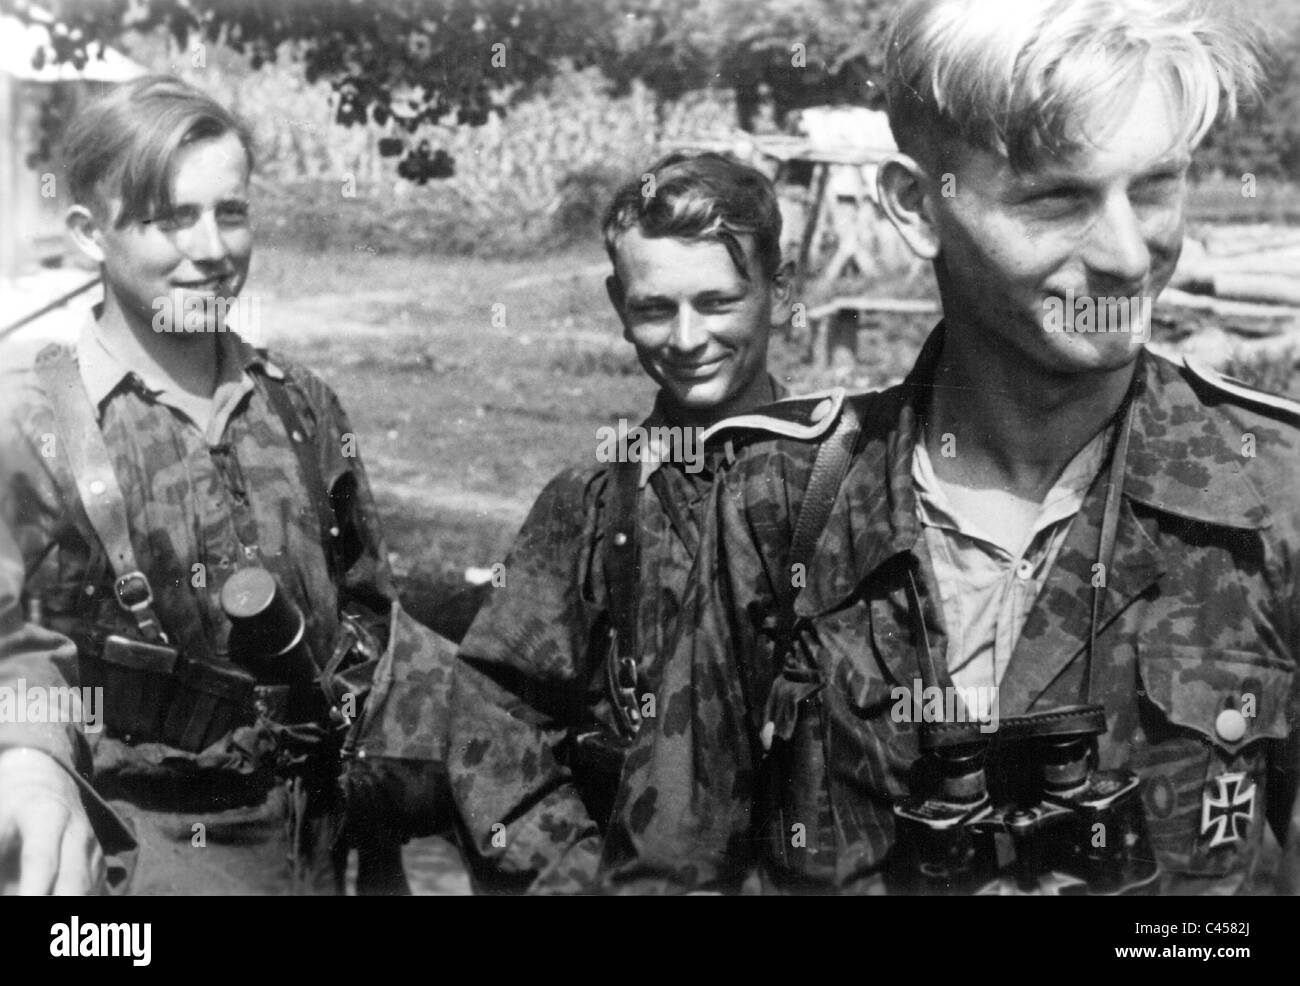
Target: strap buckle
x=135 y=596
x=621 y=675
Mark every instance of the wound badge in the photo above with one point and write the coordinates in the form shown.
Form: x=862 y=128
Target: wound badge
x=1224 y=811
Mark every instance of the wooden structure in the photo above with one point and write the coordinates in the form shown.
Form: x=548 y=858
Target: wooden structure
x=834 y=226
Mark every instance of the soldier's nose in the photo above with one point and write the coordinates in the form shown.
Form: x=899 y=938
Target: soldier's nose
x=688 y=332
x=205 y=243
x=1117 y=248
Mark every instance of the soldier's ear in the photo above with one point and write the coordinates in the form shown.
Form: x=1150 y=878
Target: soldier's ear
x=781 y=293
x=902 y=186
x=86 y=233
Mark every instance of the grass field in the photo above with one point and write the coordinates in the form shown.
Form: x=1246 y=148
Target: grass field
x=463 y=409
x=471 y=381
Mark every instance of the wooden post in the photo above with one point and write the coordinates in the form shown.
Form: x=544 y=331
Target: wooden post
x=821 y=341
x=821 y=176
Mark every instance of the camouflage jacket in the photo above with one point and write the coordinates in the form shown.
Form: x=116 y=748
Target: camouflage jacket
x=1200 y=614
x=198 y=508
x=530 y=673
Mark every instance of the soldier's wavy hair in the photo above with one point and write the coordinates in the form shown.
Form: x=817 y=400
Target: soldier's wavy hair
x=124 y=144
x=1023 y=78
x=705 y=196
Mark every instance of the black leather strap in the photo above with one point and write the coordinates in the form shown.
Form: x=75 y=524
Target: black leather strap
x=277 y=392
x=622 y=575
x=829 y=468
x=798 y=679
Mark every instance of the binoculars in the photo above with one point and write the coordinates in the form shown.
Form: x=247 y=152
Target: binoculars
x=268 y=639
x=1053 y=823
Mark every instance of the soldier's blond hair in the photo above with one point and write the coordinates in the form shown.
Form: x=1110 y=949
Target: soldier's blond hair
x=1022 y=77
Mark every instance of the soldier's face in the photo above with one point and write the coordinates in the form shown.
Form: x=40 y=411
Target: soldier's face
x=1024 y=256
x=700 y=328
x=195 y=255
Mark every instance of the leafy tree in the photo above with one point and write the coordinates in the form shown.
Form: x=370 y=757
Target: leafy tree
x=413 y=62
x=1264 y=139
x=410 y=62
x=795 y=53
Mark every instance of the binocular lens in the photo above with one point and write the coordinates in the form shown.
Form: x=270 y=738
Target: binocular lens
x=961 y=771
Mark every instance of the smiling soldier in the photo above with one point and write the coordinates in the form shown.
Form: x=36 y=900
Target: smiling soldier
x=164 y=484
x=1108 y=539
x=557 y=674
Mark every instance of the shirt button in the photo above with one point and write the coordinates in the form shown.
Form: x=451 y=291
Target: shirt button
x=1230 y=725
x=821 y=410
x=97 y=487
x=1025 y=570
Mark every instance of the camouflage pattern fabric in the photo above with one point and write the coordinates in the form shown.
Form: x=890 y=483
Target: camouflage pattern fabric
x=197 y=513
x=39 y=657
x=1200 y=614
x=531 y=668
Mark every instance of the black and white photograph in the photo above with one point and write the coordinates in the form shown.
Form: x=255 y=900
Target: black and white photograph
x=652 y=447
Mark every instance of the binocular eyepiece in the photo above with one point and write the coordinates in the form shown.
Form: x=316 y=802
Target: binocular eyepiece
x=1056 y=821
x=267 y=630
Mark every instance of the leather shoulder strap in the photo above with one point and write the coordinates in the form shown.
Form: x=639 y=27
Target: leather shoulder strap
x=622 y=575
x=829 y=467
x=77 y=425
x=309 y=470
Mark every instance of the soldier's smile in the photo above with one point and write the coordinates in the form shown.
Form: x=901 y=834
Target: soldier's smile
x=700 y=325
x=694 y=371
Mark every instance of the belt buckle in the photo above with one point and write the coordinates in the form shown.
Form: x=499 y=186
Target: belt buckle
x=136 y=579
x=141 y=607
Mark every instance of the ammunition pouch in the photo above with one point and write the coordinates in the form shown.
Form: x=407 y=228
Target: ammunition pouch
x=800 y=832
x=154 y=694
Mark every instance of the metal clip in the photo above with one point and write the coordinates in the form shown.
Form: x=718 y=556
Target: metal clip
x=622 y=687
x=136 y=584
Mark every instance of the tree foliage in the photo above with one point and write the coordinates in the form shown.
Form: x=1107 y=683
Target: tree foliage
x=795 y=53
x=406 y=63
x=414 y=62
x=401 y=62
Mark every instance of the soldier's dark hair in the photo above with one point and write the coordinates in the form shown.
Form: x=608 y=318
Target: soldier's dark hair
x=124 y=144
x=704 y=196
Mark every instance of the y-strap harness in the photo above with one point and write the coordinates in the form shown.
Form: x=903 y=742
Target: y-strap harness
x=622 y=566
x=77 y=423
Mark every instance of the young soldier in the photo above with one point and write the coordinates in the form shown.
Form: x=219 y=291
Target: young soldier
x=144 y=470
x=1043 y=519
x=557 y=674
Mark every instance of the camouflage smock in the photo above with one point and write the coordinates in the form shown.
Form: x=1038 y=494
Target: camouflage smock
x=197 y=512
x=531 y=668
x=1201 y=613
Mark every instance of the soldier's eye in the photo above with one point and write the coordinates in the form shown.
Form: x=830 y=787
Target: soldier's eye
x=1158 y=188
x=652 y=312
x=232 y=213
x=173 y=219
